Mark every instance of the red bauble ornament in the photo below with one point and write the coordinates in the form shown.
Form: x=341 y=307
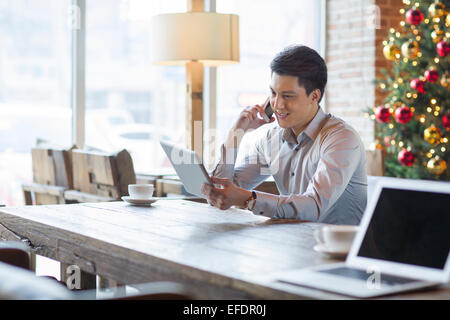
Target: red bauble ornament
x=431 y=75
x=417 y=85
x=443 y=48
x=414 y=16
x=387 y=141
x=406 y=158
x=382 y=114
x=403 y=115
x=446 y=121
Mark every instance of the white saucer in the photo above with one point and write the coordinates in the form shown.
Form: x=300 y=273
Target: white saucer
x=332 y=253
x=139 y=202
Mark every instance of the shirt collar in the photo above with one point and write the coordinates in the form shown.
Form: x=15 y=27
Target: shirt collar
x=311 y=130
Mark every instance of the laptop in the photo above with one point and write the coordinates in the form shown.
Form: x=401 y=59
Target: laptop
x=188 y=167
x=403 y=244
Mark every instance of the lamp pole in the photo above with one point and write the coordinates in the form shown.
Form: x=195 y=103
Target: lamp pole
x=194 y=96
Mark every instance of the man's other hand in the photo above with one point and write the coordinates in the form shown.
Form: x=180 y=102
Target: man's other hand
x=226 y=194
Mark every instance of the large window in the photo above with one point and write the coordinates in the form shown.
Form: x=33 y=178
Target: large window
x=266 y=27
x=131 y=103
x=34 y=86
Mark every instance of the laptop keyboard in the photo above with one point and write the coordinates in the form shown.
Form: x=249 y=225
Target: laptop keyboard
x=362 y=275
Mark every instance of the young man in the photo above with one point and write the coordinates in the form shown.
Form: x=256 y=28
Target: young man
x=317 y=160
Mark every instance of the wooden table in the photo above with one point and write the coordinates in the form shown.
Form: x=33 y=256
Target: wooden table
x=219 y=254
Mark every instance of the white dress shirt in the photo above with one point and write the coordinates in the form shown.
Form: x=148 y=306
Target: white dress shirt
x=321 y=175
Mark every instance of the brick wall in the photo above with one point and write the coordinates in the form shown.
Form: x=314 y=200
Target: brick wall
x=355 y=31
x=389 y=18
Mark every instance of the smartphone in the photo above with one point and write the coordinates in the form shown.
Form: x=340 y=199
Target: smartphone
x=268 y=112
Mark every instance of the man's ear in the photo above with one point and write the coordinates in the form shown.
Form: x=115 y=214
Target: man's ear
x=315 y=95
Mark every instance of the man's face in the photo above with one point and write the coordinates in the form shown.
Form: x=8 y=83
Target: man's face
x=292 y=107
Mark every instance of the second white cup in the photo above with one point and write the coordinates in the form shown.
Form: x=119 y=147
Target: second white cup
x=336 y=237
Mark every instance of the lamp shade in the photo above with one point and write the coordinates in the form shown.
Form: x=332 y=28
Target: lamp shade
x=207 y=37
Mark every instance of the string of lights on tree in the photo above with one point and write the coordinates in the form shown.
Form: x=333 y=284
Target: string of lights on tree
x=414 y=122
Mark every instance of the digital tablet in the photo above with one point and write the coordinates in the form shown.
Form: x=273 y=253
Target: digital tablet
x=188 y=167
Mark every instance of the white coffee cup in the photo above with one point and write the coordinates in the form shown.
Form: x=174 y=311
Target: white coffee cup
x=336 y=237
x=141 y=191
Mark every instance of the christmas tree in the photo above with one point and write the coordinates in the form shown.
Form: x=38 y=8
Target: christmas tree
x=413 y=125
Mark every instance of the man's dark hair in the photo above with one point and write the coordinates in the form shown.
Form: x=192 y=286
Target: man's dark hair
x=305 y=64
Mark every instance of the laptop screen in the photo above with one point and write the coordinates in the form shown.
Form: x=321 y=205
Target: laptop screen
x=411 y=227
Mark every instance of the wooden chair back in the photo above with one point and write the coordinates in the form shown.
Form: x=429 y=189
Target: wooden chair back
x=52 y=167
x=52 y=174
x=100 y=176
x=172 y=187
x=168 y=186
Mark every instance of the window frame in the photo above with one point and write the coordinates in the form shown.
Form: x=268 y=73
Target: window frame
x=78 y=66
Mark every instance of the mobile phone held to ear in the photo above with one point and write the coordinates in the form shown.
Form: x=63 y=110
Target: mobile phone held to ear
x=268 y=112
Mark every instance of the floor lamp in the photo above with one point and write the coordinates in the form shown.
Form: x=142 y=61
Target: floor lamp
x=195 y=39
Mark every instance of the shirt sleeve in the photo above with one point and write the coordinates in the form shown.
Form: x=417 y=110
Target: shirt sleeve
x=340 y=155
